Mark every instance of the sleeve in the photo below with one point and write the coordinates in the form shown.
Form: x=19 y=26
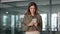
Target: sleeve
x=25 y=23
x=40 y=23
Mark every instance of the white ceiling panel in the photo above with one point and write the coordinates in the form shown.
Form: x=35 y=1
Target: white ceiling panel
x=12 y=0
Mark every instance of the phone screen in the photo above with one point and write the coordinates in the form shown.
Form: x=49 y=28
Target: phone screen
x=34 y=20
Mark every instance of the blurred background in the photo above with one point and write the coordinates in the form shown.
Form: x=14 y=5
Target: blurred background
x=12 y=14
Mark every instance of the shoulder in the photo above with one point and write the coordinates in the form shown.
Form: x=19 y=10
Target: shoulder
x=26 y=16
x=38 y=15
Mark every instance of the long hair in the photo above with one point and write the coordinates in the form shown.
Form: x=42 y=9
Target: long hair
x=28 y=8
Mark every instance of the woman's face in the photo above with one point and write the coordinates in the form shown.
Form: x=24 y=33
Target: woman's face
x=32 y=9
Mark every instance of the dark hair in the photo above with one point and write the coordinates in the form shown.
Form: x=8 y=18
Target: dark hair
x=28 y=9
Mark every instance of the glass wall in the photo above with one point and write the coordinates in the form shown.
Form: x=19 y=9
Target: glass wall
x=54 y=22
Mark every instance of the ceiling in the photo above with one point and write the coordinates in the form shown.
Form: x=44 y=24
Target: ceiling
x=12 y=0
x=19 y=5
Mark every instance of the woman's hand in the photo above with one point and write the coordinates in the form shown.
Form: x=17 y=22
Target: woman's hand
x=31 y=24
x=35 y=24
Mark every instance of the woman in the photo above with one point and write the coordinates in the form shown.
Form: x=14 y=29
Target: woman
x=32 y=22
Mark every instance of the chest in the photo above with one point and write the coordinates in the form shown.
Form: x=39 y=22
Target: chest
x=32 y=18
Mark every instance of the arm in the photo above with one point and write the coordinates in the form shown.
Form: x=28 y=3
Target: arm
x=40 y=22
x=26 y=23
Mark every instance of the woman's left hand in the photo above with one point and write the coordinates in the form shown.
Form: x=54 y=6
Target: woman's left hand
x=35 y=24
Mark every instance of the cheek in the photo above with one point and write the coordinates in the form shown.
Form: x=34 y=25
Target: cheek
x=34 y=10
x=30 y=9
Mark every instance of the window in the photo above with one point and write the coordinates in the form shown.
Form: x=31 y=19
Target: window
x=54 y=22
x=12 y=20
x=44 y=21
x=4 y=20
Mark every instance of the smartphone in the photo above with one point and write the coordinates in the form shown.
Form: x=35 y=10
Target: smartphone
x=34 y=20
